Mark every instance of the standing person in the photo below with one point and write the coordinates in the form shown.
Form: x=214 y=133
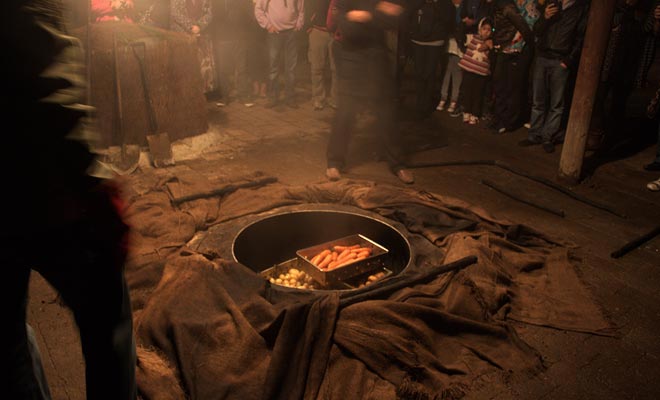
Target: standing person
x=257 y=57
x=560 y=33
x=453 y=73
x=320 y=55
x=229 y=29
x=365 y=74
x=193 y=17
x=60 y=221
x=431 y=22
x=513 y=40
x=476 y=69
x=282 y=19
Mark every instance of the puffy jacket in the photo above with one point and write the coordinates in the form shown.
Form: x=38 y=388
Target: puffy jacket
x=561 y=36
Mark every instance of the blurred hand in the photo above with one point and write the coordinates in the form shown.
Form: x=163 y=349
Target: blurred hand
x=468 y=21
x=195 y=30
x=272 y=29
x=358 y=16
x=563 y=65
x=391 y=9
x=550 y=11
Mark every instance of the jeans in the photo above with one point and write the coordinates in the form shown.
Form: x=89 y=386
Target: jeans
x=549 y=80
x=320 y=55
x=454 y=74
x=83 y=261
x=473 y=92
x=282 y=44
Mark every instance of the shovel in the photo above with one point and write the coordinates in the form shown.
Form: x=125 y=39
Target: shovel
x=130 y=153
x=159 y=142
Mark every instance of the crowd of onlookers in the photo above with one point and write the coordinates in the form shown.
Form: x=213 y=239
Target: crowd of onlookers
x=504 y=64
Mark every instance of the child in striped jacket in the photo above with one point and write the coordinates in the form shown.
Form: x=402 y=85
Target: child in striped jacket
x=475 y=64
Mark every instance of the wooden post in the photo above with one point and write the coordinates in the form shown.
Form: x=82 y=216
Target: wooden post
x=593 y=51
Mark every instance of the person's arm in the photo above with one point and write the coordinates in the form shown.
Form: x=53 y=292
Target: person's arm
x=206 y=17
x=580 y=29
x=260 y=8
x=547 y=14
x=387 y=13
x=512 y=14
x=300 y=22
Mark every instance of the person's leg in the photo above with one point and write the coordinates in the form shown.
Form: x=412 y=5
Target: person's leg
x=317 y=54
x=20 y=375
x=539 y=93
x=334 y=96
x=501 y=86
x=274 y=44
x=419 y=59
x=290 y=62
x=225 y=67
x=241 y=66
x=478 y=87
x=430 y=76
x=340 y=131
x=519 y=82
x=456 y=78
x=467 y=90
x=557 y=77
x=84 y=262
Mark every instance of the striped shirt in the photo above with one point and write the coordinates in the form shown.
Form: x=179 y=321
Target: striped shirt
x=476 y=61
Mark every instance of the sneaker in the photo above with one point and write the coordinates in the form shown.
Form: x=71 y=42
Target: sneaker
x=248 y=103
x=291 y=104
x=654 y=166
x=654 y=186
x=220 y=104
x=501 y=131
x=271 y=103
x=456 y=113
x=441 y=105
x=333 y=174
x=318 y=106
x=527 y=125
x=452 y=107
x=528 y=142
x=332 y=104
x=473 y=120
x=405 y=176
x=548 y=147
x=466 y=117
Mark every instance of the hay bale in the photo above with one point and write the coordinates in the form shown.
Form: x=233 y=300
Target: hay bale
x=173 y=75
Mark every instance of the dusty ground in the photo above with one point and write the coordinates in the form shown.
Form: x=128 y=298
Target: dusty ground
x=290 y=144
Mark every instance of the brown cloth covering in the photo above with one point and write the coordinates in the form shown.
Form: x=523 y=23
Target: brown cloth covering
x=208 y=327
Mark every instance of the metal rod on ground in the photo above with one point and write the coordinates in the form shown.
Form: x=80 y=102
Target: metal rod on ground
x=516 y=171
x=525 y=201
x=225 y=190
x=635 y=243
x=352 y=298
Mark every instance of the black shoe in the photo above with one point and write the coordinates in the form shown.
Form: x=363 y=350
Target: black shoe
x=654 y=166
x=527 y=143
x=548 y=147
x=291 y=104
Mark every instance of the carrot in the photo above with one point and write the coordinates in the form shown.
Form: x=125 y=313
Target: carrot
x=324 y=264
x=361 y=249
x=363 y=254
x=342 y=248
x=334 y=255
x=317 y=258
x=344 y=254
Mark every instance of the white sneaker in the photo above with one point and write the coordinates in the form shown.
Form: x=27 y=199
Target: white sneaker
x=527 y=125
x=473 y=120
x=452 y=107
x=466 y=117
x=441 y=105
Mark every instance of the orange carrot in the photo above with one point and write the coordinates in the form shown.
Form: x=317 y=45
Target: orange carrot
x=325 y=262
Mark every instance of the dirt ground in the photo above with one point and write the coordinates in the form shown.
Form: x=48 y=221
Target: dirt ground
x=290 y=144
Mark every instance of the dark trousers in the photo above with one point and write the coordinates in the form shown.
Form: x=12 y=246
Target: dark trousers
x=282 y=44
x=473 y=92
x=426 y=59
x=549 y=85
x=510 y=78
x=231 y=67
x=365 y=77
x=83 y=261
